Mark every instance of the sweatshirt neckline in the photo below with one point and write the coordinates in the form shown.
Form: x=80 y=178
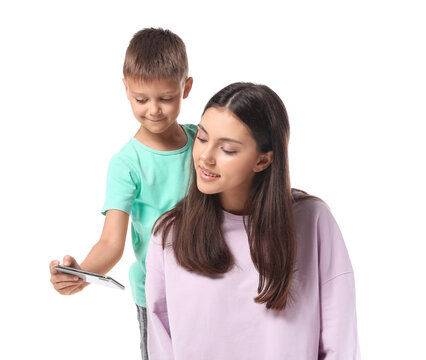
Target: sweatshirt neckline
x=233 y=217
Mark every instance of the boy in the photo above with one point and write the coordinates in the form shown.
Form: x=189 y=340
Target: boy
x=149 y=175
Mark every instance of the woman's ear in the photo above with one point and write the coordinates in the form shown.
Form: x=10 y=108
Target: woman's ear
x=263 y=161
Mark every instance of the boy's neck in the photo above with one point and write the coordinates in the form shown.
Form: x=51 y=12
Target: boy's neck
x=174 y=138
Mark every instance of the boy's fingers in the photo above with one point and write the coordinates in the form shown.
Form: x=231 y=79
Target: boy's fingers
x=67 y=260
x=71 y=262
x=52 y=265
x=60 y=277
x=67 y=285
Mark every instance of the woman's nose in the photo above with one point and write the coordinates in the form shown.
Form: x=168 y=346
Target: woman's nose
x=207 y=157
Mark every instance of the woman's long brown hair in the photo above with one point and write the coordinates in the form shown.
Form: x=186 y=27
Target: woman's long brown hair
x=195 y=222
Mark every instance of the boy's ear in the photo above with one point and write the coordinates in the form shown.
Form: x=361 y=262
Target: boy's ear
x=187 y=88
x=263 y=161
x=125 y=86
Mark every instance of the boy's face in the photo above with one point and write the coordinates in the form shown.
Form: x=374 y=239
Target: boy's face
x=156 y=104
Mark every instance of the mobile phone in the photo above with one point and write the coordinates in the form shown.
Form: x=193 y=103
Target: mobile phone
x=91 y=277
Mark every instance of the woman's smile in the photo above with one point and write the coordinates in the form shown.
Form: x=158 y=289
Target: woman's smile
x=207 y=175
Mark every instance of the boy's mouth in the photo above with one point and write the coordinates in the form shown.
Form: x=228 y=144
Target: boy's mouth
x=159 y=119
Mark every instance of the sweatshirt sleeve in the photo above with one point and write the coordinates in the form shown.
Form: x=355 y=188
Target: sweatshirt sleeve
x=159 y=338
x=339 y=336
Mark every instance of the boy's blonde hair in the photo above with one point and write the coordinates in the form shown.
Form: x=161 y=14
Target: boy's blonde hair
x=156 y=54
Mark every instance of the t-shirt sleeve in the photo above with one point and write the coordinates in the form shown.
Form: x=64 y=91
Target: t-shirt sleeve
x=122 y=186
x=159 y=337
x=339 y=337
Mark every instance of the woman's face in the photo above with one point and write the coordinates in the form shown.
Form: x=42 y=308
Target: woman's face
x=226 y=158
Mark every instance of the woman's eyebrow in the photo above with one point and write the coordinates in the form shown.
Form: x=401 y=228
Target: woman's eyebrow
x=230 y=140
x=222 y=138
x=202 y=128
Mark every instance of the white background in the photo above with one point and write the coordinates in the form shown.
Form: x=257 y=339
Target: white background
x=352 y=75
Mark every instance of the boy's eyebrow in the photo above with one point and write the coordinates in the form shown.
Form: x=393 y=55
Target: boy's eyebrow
x=222 y=138
x=165 y=93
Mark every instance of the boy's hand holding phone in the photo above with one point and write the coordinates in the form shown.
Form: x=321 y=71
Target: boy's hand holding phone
x=63 y=283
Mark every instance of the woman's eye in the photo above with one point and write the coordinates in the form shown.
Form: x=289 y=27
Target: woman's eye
x=229 y=152
x=141 y=101
x=201 y=139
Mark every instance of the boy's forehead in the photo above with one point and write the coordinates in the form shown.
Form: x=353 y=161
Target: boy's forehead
x=163 y=85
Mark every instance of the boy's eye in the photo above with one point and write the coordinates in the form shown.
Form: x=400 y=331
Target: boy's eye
x=201 y=139
x=166 y=99
x=141 y=101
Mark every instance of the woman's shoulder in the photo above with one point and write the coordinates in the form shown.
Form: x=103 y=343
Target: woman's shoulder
x=313 y=215
x=305 y=205
x=317 y=229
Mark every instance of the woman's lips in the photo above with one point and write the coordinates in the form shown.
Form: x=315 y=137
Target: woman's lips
x=206 y=174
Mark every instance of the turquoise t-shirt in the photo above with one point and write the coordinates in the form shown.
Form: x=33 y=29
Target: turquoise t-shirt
x=145 y=183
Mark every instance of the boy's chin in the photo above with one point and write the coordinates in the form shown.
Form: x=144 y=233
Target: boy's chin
x=156 y=127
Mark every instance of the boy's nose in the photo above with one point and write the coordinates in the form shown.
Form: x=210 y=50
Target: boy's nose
x=155 y=109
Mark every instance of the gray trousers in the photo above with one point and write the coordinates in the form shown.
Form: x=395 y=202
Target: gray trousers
x=143 y=329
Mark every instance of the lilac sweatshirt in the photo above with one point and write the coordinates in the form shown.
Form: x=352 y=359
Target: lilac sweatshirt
x=194 y=317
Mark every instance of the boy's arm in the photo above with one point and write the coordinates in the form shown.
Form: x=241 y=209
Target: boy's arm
x=102 y=258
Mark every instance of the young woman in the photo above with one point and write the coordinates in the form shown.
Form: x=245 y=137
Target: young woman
x=245 y=267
